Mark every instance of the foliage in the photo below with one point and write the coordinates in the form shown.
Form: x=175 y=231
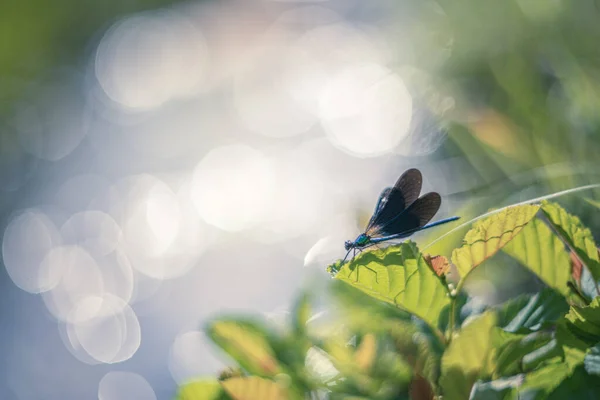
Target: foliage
x=400 y=336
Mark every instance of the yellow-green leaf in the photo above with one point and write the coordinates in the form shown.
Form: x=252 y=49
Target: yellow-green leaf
x=489 y=235
x=543 y=253
x=578 y=237
x=253 y=388
x=366 y=351
x=247 y=343
x=201 y=390
x=584 y=322
x=541 y=382
x=398 y=275
x=466 y=357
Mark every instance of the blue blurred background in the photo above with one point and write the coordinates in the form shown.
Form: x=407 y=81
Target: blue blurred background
x=162 y=162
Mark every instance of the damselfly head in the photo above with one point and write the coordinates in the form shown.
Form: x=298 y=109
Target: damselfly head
x=348 y=245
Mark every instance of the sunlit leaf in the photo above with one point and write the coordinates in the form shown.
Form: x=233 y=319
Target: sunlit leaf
x=592 y=360
x=543 y=253
x=466 y=357
x=572 y=346
x=578 y=237
x=247 y=342
x=541 y=382
x=201 y=390
x=585 y=321
x=254 y=388
x=400 y=276
x=489 y=235
x=511 y=350
x=532 y=312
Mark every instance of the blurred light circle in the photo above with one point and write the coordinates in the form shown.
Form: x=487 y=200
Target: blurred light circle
x=262 y=102
x=54 y=122
x=151 y=217
x=121 y=385
x=162 y=232
x=106 y=328
x=231 y=187
x=149 y=59
x=78 y=276
x=190 y=357
x=431 y=106
x=163 y=214
x=67 y=336
x=320 y=54
x=145 y=289
x=95 y=231
x=117 y=274
x=425 y=136
x=28 y=238
x=304 y=198
x=366 y=110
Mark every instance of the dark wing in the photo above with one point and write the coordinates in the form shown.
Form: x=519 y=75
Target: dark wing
x=417 y=215
x=393 y=201
x=383 y=198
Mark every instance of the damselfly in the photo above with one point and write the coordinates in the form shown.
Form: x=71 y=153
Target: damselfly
x=399 y=213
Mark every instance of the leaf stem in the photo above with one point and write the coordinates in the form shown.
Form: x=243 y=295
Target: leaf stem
x=454 y=296
x=452 y=317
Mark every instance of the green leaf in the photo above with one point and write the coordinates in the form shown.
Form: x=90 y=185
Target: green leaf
x=247 y=342
x=253 y=388
x=541 y=382
x=511 y=350
x=466 y=357
x=532 y=312
x=573 y=347
x=400 y=276
x=580 y=386
x=592 y=360
x=420 y=349
x=201 y=390
x=584 y=322
x=499 y=389
x=489 y=235
x=576 y=235
x=543 y=253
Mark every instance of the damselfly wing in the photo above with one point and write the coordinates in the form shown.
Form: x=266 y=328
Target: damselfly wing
x=399 y=213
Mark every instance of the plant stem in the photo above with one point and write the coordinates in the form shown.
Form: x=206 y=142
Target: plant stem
x=452 y=318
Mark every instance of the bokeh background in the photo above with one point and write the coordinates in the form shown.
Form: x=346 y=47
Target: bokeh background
x=164 y=162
